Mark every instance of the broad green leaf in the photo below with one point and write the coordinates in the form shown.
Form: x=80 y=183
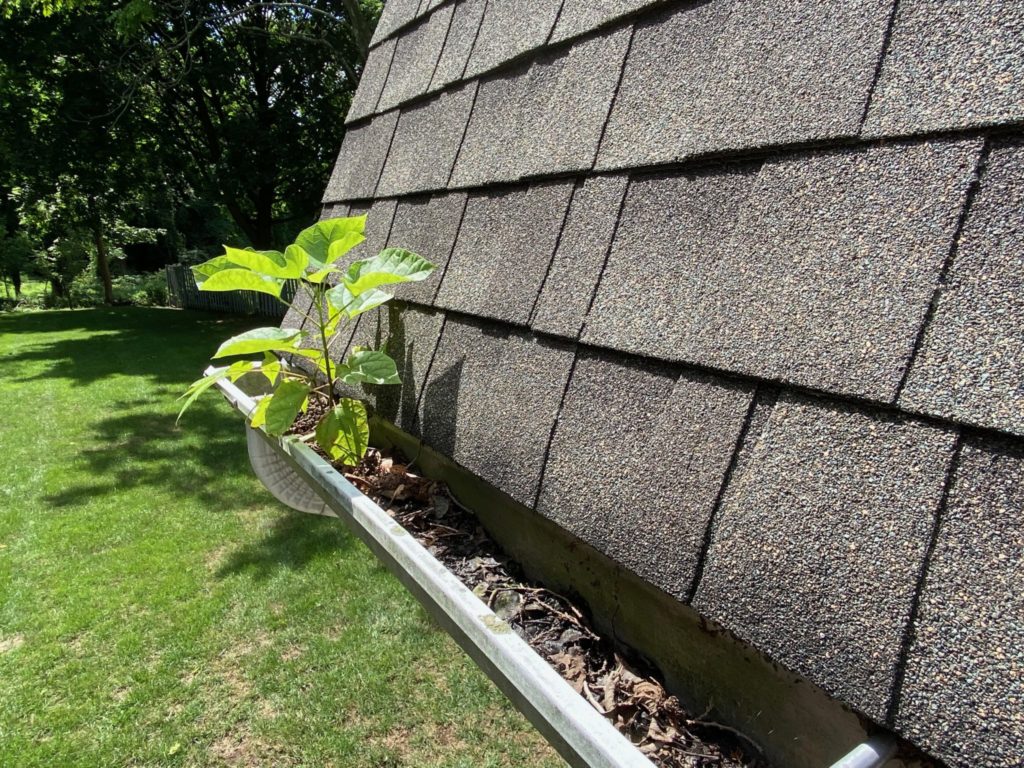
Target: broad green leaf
x=319 y=275
x=288 y=399
x=240 y=280
x=392 y=265
x=271 y=367
x=260 y=340
x=258 y=417
x=319 y=240
x=197 y=387
x=288 y=265
x=212 y=267
x=343 y=432
x=342 y=300
x=372 y=367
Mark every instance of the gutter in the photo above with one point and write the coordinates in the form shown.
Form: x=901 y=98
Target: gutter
x=580 y=734
x=301 y=479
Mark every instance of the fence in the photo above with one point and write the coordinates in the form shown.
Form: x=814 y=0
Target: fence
x=183 y=292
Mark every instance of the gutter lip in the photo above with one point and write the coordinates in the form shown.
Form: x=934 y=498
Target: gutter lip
x=580 y=734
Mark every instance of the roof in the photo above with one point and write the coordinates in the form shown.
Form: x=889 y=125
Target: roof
x=735 y=293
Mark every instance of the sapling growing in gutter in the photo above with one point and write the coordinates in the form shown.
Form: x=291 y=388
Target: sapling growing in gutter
x=342 y=432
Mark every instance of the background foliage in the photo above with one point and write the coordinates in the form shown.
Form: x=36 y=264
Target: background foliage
x=153 y=131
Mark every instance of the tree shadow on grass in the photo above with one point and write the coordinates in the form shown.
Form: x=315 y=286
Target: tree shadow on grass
x=161 y=345
x=293 y=542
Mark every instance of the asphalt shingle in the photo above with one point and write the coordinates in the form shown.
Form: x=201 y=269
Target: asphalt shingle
x=545 y=117
x=731 y=75
x=581 y=252
x=816 y=552
x=963 y=693
x=396 y=13
x=969 y=366
x=616 y=421
x=409 y=335
x=950 y=65
x=820 y=274
x=375 y=74
x=415 y=57
x=580 y=16
x=427 y=142
x=511 y=28
x=361 y=159
x=490 y=401
x=503 y=250
x=461 y=34
x=427 y=226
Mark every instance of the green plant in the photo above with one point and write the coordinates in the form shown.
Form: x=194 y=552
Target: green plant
x=342 y=432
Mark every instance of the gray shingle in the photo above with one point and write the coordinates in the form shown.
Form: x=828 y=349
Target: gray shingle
x=509 y=29
x=409 y=335
x=427 y=226
x=503 y=250
x=542 y=118
x=969 y=366
x=580 y=16
x=637 y=461
x=457 y=47
x=375 y=74
x=490 y=149
x=963 y=694
x=395 y=14
x=950 y=65
x=732 y=75
x=415 y=58
x=379 y=216
x=815 y=555
x=427 y=142
x=570 y=95
x=362 y=156
x=577 y=264
x=819 y=275
x=490 y=401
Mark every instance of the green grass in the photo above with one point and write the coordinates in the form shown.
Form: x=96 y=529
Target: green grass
x=158 y=607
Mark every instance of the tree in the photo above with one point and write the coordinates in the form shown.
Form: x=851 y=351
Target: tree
x=249 y=96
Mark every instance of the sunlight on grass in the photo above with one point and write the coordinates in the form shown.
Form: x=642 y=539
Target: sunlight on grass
x=157 y=607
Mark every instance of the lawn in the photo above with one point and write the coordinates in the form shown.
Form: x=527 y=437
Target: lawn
x=158 y=607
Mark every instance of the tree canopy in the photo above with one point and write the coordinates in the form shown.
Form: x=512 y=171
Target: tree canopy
x=157 y=115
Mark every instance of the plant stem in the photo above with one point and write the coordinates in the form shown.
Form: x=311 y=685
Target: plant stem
x=323 y=338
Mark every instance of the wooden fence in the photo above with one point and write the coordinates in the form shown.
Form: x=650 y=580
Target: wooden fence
x=183 y=292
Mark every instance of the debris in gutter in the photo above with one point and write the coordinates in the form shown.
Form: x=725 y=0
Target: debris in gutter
x=621 y=688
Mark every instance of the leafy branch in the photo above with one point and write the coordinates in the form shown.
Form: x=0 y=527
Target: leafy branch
x=343 y=430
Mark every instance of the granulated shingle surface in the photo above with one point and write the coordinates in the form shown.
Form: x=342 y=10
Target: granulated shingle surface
x=732 y=75
x=361 y=159
x=415 y=58
x=497 y=270
x=581 y=252
x=462 y=32
x=963 y=694
x=950 y=65
x=969 y=367
x=427 y=226
x=490 y=402
x=818 y=274
x=510 y=28
x=816 y=553
x=375 y=73
x=610 y=480
x=427 y=142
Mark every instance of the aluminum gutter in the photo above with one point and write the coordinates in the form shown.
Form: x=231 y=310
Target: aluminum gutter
x=871 y=754
x=582 y=736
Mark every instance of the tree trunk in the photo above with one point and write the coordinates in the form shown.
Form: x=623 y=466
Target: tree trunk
x=16 y=281
x=103 y=265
